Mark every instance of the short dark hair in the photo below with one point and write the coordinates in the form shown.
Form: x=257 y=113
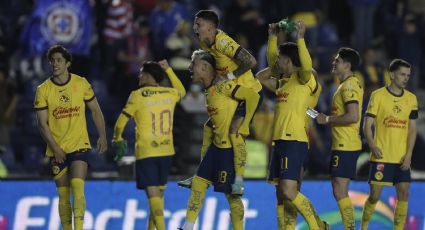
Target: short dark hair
x=154 y=69
x=59 y=49
x=203 y=55
x=397 y=63
x=290 y=49
x=208 y=15
x=350 y=55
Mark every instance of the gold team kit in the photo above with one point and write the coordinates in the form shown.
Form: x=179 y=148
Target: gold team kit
x=224 y=49
x=221 y=107
x=153 y=110
x=347 y=137
x=65 y=105
x=392 y=114
x=293 y=99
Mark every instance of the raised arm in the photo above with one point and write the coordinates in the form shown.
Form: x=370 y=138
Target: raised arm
x=272 y=45
x=305 y=59
x=175 y=81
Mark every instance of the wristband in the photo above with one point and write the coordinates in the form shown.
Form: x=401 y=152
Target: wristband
x=327 y=119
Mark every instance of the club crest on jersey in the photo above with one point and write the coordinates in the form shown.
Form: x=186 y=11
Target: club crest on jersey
x=379 y=175
x=397 y=109
x=64 y=99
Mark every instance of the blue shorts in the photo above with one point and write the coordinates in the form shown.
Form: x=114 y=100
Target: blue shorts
x=217 y=167
x=152 y=171
x=59 y=169
x=343 y=164
x=387 y=174
x=287 y=160
x=241 y=109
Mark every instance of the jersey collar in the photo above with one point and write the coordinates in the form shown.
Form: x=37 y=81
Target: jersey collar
x=395 y=95
x=67 y=81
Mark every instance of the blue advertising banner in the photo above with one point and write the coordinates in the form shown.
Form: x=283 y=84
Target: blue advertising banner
x=119 y=205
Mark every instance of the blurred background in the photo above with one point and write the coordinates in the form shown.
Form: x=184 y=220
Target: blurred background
x=109 y=39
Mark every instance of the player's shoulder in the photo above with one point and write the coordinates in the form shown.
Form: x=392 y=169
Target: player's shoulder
x=221 y=39
x=409 y=94
x=380 y=92
x=352 y=83
x=45 y=84
x=78 y=79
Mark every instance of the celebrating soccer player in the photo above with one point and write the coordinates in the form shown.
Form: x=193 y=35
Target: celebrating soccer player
x=233 y=62
x=390 y=130
x=291 y=77
x=217 y=166
x=152 y=108
x=60 y=103
x=345 y=123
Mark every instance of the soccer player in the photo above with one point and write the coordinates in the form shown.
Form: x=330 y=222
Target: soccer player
x=233 y=62
x=390 y=130
x=345 y=123
x=217 y=166
x=60 y=103
x=152 y=108
x=291 y=78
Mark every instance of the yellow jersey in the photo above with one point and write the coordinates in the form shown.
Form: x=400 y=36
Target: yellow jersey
x=392 y=114
x=347 y=137
x=292 y=100
x=224 y=49
x=65 y=104
x=153 y=110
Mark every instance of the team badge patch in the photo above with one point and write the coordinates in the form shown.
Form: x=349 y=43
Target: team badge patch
x=379 y=175
x=55 y=170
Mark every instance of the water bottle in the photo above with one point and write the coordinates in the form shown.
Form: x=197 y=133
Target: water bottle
x=286 y=25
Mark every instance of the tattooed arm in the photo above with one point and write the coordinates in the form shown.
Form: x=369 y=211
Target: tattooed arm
x=245 y=61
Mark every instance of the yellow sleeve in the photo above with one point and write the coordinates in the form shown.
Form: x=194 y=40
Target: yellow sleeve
x=373 y=106
x=272 y=50
x=119 y=127
x=207 y=137
x=88 y=91
x=305 y=60
x=176 y=83
x=131 y=106
x=227 y=46
x=351 y=92
x=251 y=99
x=40 y=101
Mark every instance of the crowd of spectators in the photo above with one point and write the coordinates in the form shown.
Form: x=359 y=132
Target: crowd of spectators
x=128 y=32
